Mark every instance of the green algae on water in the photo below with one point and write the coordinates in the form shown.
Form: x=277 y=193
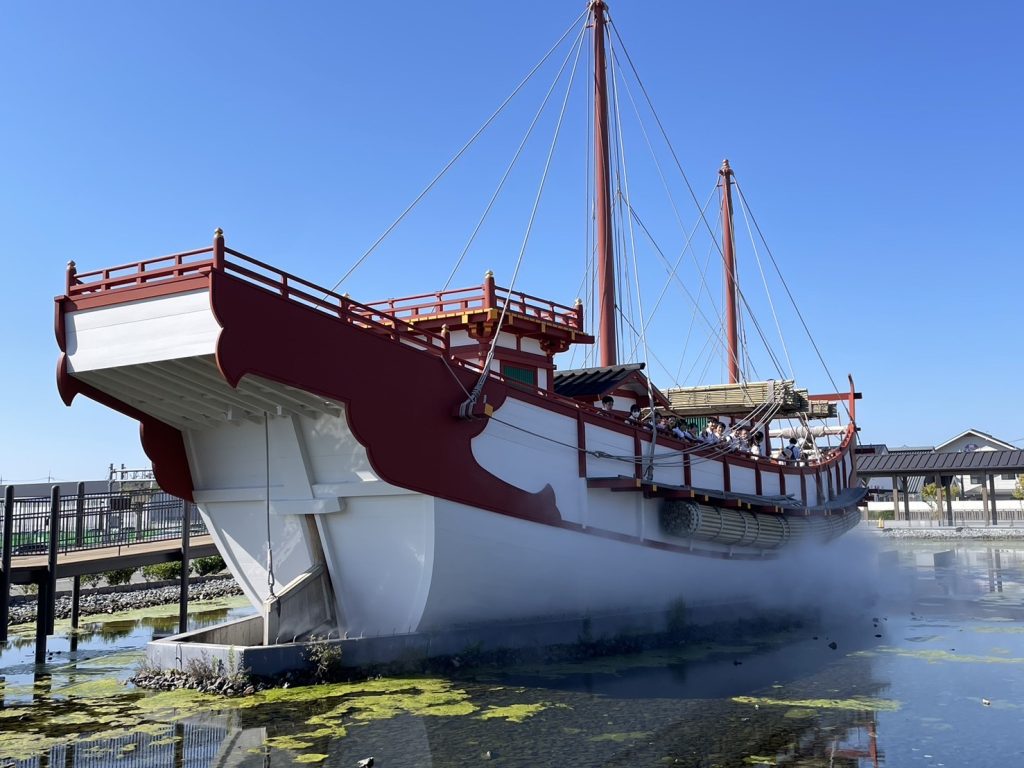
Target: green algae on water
x=312 y=757
x=619 y=738
x=13 y=712
x=856 y=704
x=167 y=610
x=287 y=742
x=937 y=656
x=799 y=713
x=514 y=713
x=91 y=689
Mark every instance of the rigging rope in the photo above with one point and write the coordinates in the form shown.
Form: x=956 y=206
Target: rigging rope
x=764 y=279
x=664 y=181
x=466 y=409
x=789 y=293
x=673 y=272
x=270 y=548
x=458 y=154
x=515 y=157
x=632 y=245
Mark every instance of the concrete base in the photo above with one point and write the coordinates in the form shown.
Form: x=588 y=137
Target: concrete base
x=237 y=645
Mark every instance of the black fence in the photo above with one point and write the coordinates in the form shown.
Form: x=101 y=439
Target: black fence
x=180 y=745
x=95 y=520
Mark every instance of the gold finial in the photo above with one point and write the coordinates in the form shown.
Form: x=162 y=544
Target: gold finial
x=218 y=232
x=71 y=265
x=579 y=301
x=725 y=166
x=488 y=275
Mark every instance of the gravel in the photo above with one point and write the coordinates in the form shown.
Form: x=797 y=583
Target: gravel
x=947 y=534
x=23 y=610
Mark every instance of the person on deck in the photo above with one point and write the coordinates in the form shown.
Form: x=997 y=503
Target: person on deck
x=791 y=453
x=607 y=403
x=634 y=415
x=741 y=440
x=755 y=445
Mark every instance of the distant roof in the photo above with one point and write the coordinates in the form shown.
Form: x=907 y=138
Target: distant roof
x=979 y=433
x=933 y=463
x=586 y=382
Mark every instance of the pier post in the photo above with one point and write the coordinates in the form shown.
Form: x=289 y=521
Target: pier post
x=42 y=600
x=76 y=585
x=906 y=498
x=992 y=499
x=949 y=505
x=5 y=577
x=186 y=531
x=895 y=498
x=51 y=560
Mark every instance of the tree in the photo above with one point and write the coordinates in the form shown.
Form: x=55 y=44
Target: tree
x=1018 y=489
x=930 y=494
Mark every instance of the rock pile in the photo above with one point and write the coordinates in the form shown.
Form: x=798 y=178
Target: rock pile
x=203 y=680
x=24 y=610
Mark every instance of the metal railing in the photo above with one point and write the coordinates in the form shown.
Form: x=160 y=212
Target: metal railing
x=96 y=520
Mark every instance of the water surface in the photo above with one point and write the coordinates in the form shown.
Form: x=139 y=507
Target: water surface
x=926 y=670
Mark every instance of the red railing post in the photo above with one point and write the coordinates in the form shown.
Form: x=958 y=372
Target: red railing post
x=578 y=308
x=71 y=277
x=489 y=293
x=218 y=249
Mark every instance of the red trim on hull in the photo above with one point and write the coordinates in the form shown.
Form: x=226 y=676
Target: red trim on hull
x=411 y=437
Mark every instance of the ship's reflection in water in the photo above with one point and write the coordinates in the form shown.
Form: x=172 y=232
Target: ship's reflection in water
x=906 y=683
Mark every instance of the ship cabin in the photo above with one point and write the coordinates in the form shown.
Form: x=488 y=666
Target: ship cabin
x=533 y=330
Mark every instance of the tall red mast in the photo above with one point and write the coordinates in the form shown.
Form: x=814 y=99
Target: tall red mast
x=602 y=193
x=730 y=274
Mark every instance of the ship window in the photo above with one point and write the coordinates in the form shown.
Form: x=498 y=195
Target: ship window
x=519 y=373
x=1010 y=476
x=977 y=479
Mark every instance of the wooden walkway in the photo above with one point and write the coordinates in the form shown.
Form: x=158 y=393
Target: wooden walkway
x=29 y=569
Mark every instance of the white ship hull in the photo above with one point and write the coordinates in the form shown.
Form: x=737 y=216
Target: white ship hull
x=542 y=515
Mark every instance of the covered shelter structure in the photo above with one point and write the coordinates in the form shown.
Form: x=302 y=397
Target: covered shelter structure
x=944 y=466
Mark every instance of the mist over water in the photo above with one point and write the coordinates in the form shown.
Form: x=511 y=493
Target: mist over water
x=906 y=653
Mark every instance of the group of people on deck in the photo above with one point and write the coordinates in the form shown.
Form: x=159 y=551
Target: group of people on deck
x=737 y=438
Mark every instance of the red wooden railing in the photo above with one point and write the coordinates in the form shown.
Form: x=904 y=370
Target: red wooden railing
x=217 y=257
x=479 y=298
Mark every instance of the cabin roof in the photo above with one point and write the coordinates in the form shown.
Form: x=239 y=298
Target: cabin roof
x=603 y=380
x=584 y=382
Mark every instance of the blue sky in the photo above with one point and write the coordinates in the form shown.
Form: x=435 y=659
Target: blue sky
x=879 y=145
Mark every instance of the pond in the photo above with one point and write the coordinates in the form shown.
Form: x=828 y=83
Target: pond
x=927 y=669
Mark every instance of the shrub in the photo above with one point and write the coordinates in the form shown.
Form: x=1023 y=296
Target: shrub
x=324 y=658
x=202 y=566
x=119 y=576
x=161 y=571
x=89 y=580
